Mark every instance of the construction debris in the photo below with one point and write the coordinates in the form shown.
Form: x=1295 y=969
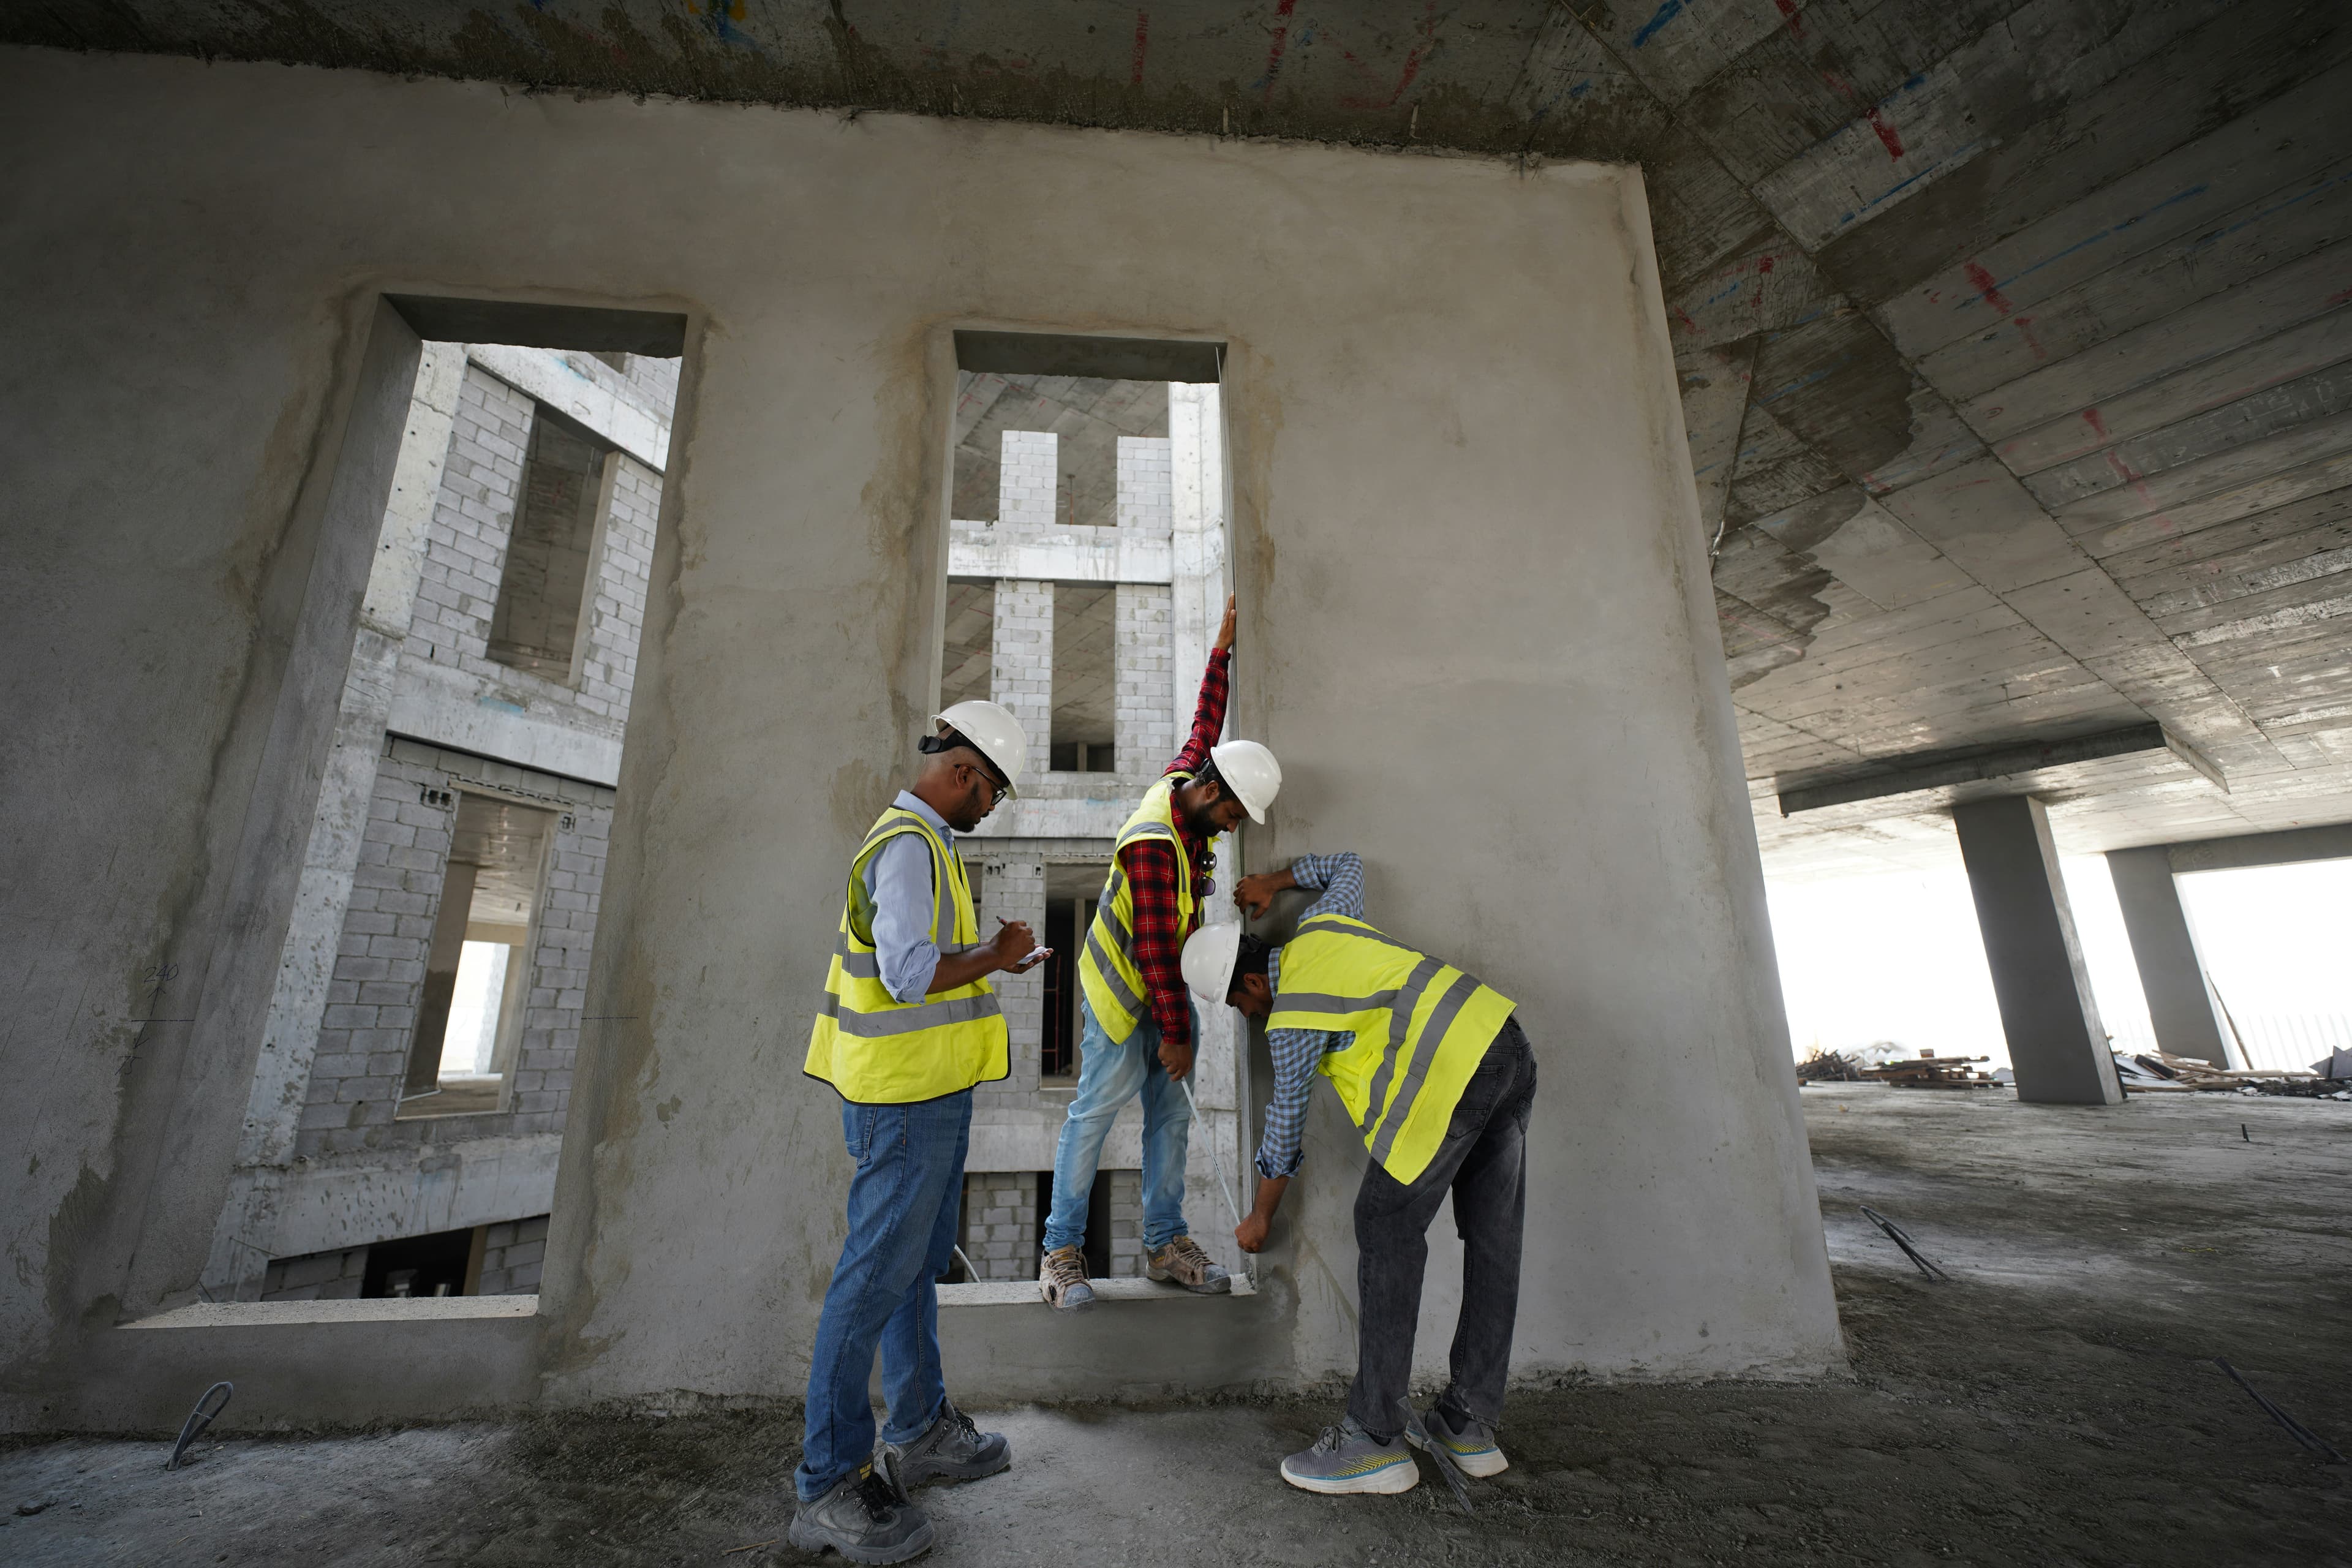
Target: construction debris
x=2161 y=1072
x=1929 y=1071
x=1829 y=1067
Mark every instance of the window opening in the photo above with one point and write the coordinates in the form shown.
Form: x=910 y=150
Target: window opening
x=479 y=958
x=456 y=923
x=567 y=478
x=1086 y=680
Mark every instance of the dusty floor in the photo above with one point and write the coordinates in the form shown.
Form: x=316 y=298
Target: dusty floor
x=2050 y=1405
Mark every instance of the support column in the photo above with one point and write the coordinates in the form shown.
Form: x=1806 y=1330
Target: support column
x=2057 y=1045
x=2164 y=948
x=1022 y=675
x=1015 y=890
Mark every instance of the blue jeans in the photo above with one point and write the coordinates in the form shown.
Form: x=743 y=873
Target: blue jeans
x=904 y=1203
x=1109 y=1075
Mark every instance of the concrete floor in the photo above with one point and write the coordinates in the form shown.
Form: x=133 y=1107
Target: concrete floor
x=2050 y=1405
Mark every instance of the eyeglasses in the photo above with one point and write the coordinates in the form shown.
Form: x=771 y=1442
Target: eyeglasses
x=997 y=788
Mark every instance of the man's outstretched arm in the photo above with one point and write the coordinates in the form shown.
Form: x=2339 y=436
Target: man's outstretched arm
x=1209 y=714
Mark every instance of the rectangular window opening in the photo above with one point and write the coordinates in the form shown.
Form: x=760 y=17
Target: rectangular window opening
x=1085 y=679
x=515 y=549
x=469 y=1022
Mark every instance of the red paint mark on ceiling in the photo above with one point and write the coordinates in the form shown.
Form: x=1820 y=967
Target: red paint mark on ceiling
x=1887 y=135
x=1788 y=14
x=2339 y=298
x=1763 y=264
x=1281 y=42
x=2091 y=417
x=1988 y=289
x=1411 y=66
x=1142 y=42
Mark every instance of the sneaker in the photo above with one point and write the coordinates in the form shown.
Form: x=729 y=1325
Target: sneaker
x=1182 y=1261
x=863 y=1520
x=1347 y=1458
x=952 y=1450
x=1062 y=1281
x=1471 y=1445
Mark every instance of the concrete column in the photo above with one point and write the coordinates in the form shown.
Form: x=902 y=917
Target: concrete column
x=1028 y=479
x=2164 y=948
x=1022 y=675
x=2056 y=1044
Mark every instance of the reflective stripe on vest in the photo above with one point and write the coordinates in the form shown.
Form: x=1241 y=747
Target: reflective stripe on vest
x=878 y=1051
x=1114 y=985
x=1421 y=1027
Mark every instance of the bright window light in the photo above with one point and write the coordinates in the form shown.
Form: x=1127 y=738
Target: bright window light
x=474 y=1009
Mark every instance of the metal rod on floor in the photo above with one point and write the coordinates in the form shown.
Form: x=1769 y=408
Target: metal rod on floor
x=1894 y=1234
x=968 y=1271
x=2294 y=1428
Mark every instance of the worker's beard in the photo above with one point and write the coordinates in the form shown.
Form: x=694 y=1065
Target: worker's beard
x=1199 y=824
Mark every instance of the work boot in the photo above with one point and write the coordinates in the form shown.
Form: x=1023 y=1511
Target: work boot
x=1062 y=1281
x=1347 y=1458
x=1182 y=1261
x=953 y=1450
x=1471 y=1443
x=863 y=1520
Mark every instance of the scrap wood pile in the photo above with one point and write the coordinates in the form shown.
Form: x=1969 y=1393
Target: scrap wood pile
x=1829 y=1067
x=2161 y=1072
x=1929 y=1071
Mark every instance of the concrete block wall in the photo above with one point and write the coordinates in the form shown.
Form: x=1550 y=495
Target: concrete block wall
x=320 y=1277
x=465 y=546
x=1022 y=675
x=1014 y=889
x=1146 y=488
x=1000 y=1224
x=379 y=975
x=1029 y=480
x=1126 y=1223
x=512 y=1256
x=1144 y=652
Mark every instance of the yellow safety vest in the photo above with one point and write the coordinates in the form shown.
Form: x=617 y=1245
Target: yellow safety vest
x=1106 y=969
x=1421 y=1025
x=878 y=1051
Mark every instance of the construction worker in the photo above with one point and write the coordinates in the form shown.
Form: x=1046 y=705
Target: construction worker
x=1434 y=1071
x=909 y=1025
x=1136 y=1021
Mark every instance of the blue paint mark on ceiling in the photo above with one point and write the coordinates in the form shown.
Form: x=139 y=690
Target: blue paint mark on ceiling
x=1666 y=13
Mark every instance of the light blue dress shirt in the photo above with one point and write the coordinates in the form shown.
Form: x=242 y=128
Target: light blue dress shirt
x=898 y=877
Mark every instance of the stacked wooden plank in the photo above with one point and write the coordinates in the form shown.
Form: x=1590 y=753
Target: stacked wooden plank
x=1929 y=1071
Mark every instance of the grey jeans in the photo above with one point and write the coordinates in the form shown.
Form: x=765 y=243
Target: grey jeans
x=1483 y=1163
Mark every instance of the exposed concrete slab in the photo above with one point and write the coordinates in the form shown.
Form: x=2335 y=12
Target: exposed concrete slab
x=2285 y=848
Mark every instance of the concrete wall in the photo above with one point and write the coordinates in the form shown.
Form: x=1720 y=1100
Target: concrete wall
x=1459 y=513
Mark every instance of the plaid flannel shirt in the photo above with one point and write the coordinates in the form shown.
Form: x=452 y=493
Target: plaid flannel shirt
x=1298 y=1052
x=1151 y=872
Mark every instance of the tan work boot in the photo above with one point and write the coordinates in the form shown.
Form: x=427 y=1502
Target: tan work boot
x=1182 y=1261
x=1062 y=1281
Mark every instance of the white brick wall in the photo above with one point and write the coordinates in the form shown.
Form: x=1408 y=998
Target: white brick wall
x=1028 y=482
x=1015 y=890
x=1147 y=495
x=1144 y=715
x=1000 y=1222
x=1022 y=677
x=1126 y=1223
x=379 y=975
x=318 y=1277
x=511 y=1256
x=465 y=556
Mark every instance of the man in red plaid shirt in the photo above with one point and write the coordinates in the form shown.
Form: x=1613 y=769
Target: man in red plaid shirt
x=1136 y=1014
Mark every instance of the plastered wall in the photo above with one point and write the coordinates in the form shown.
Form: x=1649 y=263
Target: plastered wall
x=1474 y=626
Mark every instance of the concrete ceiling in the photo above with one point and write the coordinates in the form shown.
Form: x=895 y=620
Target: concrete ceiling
x=2016 y=339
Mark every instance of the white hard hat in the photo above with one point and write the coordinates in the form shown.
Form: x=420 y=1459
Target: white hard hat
x=1207 y=960
x=1251 y=774
x=996 y=732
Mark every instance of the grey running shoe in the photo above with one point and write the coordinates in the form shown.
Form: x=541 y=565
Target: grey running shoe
x=1471 y=1445
x=1182 y=1261
x=1347 y=1458
x=864 y=1520
x=952 y=1450
x=1062 y=1281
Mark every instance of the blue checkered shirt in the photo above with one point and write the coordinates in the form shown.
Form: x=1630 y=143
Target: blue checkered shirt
x=1297 y=1052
